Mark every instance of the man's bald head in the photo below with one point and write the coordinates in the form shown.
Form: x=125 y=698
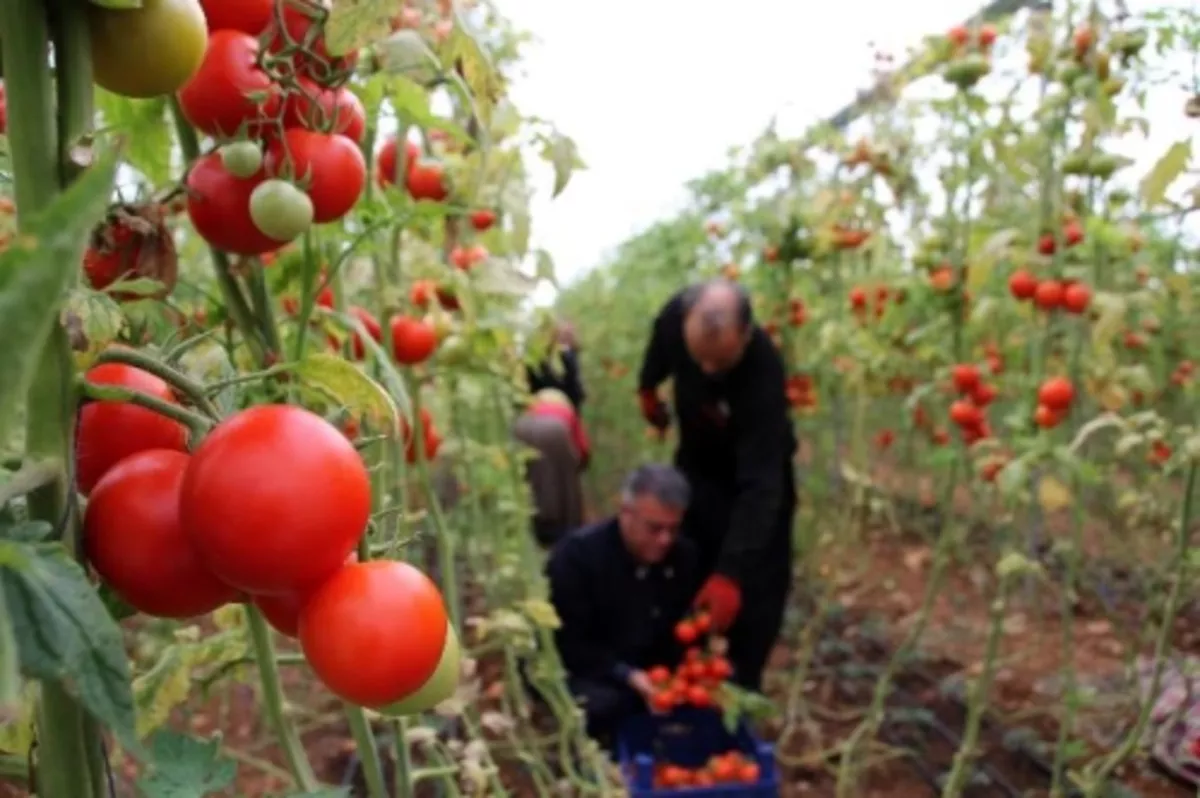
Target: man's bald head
x=717 y=323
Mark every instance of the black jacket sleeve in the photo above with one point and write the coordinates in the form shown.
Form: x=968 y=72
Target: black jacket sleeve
x=571 y=379
x=664 y=332
x=570 y=594
x=763 y=436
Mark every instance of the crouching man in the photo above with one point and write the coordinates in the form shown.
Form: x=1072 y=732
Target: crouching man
x=619 y=587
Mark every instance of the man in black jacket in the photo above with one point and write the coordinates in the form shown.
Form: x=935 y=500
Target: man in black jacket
x=564 y=375
x=736 y=446
x=619 y=587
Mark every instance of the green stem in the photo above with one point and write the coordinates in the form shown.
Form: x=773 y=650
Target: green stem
x=368 y=751
x=191 y=389
x=402 y=781
x=67 y=743
x=235 y=302
x=32 y=476
x=268 y=670
x=195 y=422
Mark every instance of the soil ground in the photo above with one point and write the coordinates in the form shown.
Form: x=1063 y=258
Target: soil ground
x=875 y=582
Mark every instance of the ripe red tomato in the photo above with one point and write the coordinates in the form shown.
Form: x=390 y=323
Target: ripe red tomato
x=1056 y=393
x=247 y=16
x=1049 y=294
x=965 y=414
x=465 y=258
x=134 y=539
x=275 y=499
x=374 y=329
x=958 y=36
x=483 y=219
x=429 y=437
x=219 y=206
x=426 y=180
x=282 y=610
x=331 y=167
x=374 y=632
x=219 y=98
x=1022 y=284
x=413 y=340
x=108 y=432
x=349 y=115
x=965 y=377
x=1076 y=298
x=314 y=108
x=385 y=164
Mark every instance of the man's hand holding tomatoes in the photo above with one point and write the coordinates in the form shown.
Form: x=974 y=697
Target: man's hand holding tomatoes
x=654 y=410
x=641 y=683
x=722 y=598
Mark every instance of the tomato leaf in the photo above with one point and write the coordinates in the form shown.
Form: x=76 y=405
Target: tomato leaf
x=118 y=4
x=411 y=104
x=16 y=727
x=355 y=23
x=64 y=633
x=93 y=321
x=35 y=271
x=405 y=54
x=143 y=125
x=346 y=383
x=186 y=767
x=464 y=53
x=545 y=267
x=1170 y=165
x=172 y=679
x=563 y=155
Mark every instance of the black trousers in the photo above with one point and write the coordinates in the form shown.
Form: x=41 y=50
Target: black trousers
x=605 y=705
x=765 y=592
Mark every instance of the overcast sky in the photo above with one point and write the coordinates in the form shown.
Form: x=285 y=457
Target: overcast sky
x=656 y=91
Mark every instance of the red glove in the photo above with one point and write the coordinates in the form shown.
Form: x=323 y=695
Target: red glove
x=654 y=410
x=722 y=597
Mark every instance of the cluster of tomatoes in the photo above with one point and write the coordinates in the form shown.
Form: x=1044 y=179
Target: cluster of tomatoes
x=801 y=392
x=863 y=299
x=178 y=533
x=269 y=88
x=731 y=767
x=1054 y=396
x=975 y=394
x=695 y=679
x=1050 y=294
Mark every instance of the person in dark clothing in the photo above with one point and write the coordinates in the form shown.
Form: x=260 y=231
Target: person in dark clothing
x=619 y=587
x=563 y=376
x=736 y=447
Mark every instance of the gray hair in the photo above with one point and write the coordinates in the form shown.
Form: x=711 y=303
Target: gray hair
x=665 y=483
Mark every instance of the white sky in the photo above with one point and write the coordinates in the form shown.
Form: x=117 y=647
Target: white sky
x=656 y=91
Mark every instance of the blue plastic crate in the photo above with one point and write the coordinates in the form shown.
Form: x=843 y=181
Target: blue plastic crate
x=688 y=738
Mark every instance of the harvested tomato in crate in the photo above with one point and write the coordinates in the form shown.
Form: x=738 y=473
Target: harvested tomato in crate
x=690 y=752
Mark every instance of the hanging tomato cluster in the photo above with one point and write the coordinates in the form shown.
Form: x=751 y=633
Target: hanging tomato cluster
x=269 y=507
x=272 y=95
x=1050 y=294
x=969 y=412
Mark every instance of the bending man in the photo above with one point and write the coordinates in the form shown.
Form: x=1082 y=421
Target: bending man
x=619 y=587
x=736 y=446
